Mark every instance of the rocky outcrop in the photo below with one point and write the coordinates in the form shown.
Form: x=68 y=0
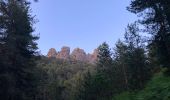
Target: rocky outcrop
x=91 y=58
x=52 y=53
x=77 y=55
x=95 y=54
x=64 y=53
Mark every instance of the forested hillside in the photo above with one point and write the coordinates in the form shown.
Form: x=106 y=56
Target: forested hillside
x=136 y=68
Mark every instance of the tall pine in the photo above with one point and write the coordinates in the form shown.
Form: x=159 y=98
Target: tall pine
x=156 y=19
x=131 y=58
x=17 y=51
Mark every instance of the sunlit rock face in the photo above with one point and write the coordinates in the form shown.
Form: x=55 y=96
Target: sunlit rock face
x=64 y=53
x=52 y=53
x=92 y=58
x=76 y=55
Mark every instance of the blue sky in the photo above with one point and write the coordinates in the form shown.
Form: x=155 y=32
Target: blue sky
x=80 y=23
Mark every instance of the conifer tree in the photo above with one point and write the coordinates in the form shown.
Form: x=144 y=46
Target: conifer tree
x=156 y=19
x=17 y=51
x=131 y=58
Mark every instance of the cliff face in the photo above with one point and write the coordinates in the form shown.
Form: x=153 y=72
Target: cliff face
x=64 y=53
x=77 y=55
x=52 y=53
x=92 y=57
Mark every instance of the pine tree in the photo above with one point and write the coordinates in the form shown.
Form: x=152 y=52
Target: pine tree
x=104 y=57
x=156 y=19
x=120 y=57
x=17 y=51
x=131 y=58
x=99 y=85
x=138 y=65
x=105 y=72
x=86 y=90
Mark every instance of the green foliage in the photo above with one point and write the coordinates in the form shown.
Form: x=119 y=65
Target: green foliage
x=67 y=80
x=121 y=76
x=60 y=79
x=156 y=19
x=94 y=87
x=104 y=78
x=87 y=89
x=99 y=85
x=131 y=58
x=104 y=57
x=157 y=89
x=124 y=96
x=17 y=51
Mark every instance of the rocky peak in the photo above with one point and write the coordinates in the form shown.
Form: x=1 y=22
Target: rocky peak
x=77 y=54
x=95 y=53
x=91 y=58
x=64 y=53
x=52 y=53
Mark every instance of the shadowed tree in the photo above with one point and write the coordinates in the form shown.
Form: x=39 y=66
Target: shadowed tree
x=156 y=18
x=17 y=51
x=131 y=58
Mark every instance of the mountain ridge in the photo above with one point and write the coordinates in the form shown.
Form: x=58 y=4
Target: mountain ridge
x=77 y=54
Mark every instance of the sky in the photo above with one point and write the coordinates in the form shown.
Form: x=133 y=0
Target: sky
x=80 y=23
